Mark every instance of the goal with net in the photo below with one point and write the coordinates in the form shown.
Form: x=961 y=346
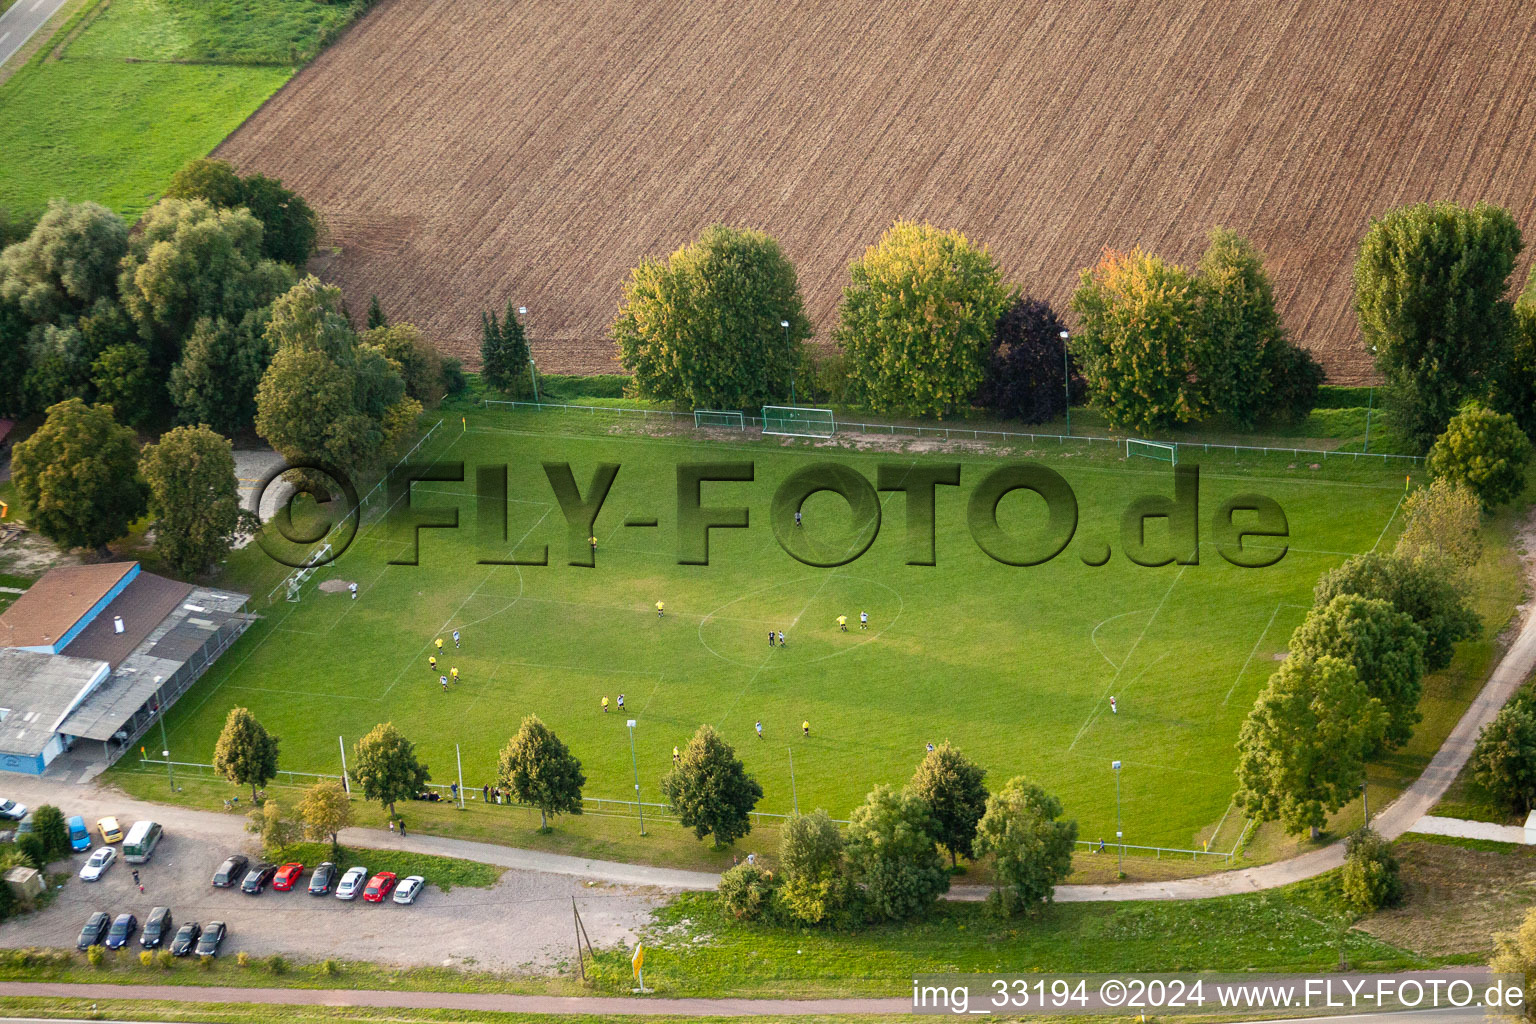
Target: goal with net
x=1152 y=450
x=719 y=418
x=798 y=421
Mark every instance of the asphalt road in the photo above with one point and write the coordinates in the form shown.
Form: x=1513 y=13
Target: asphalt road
x=24 y=18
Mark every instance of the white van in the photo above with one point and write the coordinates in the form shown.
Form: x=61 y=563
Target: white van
x=141 y=842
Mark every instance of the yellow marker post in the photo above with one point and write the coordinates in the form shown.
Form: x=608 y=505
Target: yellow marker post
x=637 y=963
x=5 y=510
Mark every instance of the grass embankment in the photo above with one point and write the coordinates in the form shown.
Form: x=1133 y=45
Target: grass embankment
x=443 y=872
x=129 y=90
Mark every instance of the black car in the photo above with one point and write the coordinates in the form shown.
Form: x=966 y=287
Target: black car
x=257 y=879
x=158 y=926
x=185 y=939
x=321 y=881
x=95 y=929
x=122 y=930
x=208 y=945
x=230 y=872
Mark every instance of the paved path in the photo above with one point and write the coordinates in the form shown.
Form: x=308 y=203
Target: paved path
x=600 y=1005
x=24 y=18
x=1464 y=829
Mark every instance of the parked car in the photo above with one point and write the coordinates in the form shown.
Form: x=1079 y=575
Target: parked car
x=351 y=883
x=186 y=938
x=409 y=888
x=13 y=810
x=287 y=876
x=101 y=860
x=111 y=831
x=158 y=926
x=79 y=835
x=208 y=945
x=379 y=886
x=95 y=930
x=257 y=878
x=122 y=930
x=321 y=881
x=230 y=872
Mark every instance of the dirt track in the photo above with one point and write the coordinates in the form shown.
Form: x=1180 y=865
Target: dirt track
x=470 y=151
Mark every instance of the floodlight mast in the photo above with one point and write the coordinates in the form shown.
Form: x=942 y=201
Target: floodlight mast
x=785 y=324
x=1066 y=379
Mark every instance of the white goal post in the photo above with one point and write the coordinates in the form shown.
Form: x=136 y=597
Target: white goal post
x=719 y=418
x=1152 y=450
x=798 y=421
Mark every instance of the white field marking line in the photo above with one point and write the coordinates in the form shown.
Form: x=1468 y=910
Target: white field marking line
x=483 y=687
x=1099 y=708
x=439 y=631
x=1249 y=659
x=301 y=693
x=659 y=677
x=1142 y=635
x=1393 y=516
x=1094 y=636
x=811 y=600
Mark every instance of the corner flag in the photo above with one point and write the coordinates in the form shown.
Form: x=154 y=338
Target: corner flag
x=637 y=962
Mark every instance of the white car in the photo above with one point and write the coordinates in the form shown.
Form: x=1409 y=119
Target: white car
x=409 y=888
x=351 y=883
x=103 y=858
x=13 y=810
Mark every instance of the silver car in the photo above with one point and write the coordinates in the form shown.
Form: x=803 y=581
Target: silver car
x=352 y=883
x=409 y=888
x=103 y=858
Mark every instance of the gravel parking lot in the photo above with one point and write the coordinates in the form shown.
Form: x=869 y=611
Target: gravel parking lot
x=524 y=921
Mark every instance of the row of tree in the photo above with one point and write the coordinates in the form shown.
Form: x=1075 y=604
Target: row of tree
x=929 y=326
x=1349 y=687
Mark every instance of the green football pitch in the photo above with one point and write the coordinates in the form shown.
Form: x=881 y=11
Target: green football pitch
x=1015 y=665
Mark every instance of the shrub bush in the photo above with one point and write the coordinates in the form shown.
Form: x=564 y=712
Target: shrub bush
x=164 y=959
x=330 y=966
x=97 y=956
x=242 y=959
x=277 y=965
x=746 y=892
x=146 y=958
x=1370 y=879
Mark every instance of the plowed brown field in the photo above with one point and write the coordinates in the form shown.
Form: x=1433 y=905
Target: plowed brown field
x=467 y=151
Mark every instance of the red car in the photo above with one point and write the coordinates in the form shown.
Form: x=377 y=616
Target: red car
x=286 y=876
x=379 y=886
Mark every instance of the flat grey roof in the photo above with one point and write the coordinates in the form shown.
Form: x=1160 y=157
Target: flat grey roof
x=178 y=636
x=35 y=689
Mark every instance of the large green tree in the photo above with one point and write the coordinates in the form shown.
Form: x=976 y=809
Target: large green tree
x=1430 y=287
x=1422 y=588
x=1504 y=759
x=710 y=790
x=538 y=769
x=702 y=327
x=1248 y=368
x=893 y=855
x=918 y=318
x=384 y=763
x=324 y=810
x=954 y=787
x=1023 y=830
x=68 y=262
x=78 y=476
x=221 y=366
x=1517 y=384
x=1302 y=751
x=325 y=396
x=289 y=225
x=124 y=380
x=816 y=887
x=1485 y=451
x=1386 y=648
x=48 y=825
x=1370 y=879
x=418 y=362
x=1442 y=522
x=190 y=260
x=246 y=754
x=193 y=496
x=1138 y=341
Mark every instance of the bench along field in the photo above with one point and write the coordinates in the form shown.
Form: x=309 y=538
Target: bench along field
x=467 y=153
x=1015 y=665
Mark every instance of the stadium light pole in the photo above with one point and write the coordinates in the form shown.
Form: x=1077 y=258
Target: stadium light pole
x=635 y=763
x=1370 y=405
x=165 y=746
x=1119 y=835
x=1066 y=379
x=785 y=324
x=533 y=375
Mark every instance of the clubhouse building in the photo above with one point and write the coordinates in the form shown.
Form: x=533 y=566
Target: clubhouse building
x=91 y=655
